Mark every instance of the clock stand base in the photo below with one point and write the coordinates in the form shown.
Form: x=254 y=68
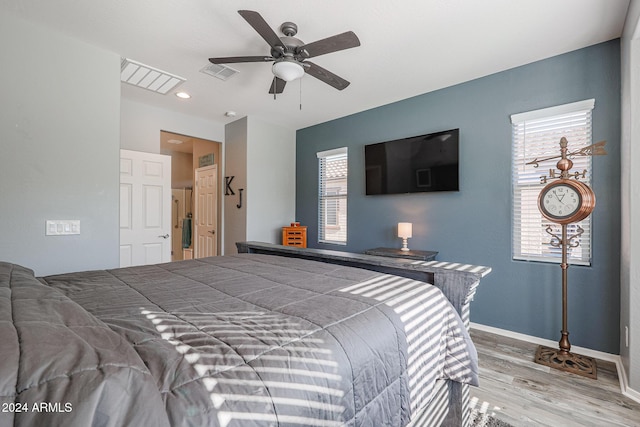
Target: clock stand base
x=566 y=361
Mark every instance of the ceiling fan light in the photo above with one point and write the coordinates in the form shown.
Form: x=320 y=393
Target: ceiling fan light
x=287 y=70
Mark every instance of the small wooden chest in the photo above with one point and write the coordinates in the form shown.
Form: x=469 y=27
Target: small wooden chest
x=294 y=235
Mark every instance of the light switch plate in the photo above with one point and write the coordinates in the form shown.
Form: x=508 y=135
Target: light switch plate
x=62 y=227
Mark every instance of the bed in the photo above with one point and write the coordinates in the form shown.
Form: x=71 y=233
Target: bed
x=267 y=337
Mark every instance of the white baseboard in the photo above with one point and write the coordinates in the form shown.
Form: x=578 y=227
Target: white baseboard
x=632 y=394
x=614 y=358
x=624 y=385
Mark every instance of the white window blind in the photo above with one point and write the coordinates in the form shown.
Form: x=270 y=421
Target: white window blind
x=536 y=135
x=332 y=196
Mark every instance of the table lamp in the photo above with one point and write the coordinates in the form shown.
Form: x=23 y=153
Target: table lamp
x=404 y=232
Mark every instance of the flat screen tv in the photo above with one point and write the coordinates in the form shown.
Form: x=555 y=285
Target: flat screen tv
x=417 y=164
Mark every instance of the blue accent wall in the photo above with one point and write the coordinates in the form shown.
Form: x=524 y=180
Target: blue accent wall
x=474 y=225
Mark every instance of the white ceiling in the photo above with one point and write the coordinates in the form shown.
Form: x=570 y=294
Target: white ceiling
x=407 y=47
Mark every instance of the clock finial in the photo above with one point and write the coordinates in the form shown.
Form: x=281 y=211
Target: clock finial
x=564 y=164
x=563 y=144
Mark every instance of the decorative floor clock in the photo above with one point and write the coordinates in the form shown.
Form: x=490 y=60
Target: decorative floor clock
x=566 y=200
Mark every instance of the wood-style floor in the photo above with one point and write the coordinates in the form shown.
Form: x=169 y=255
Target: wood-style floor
x=516 y=390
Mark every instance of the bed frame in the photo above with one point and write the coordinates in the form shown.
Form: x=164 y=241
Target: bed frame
x=458 y=282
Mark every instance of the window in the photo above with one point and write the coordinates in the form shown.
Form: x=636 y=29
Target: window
x=536 y=135
x=332 y=196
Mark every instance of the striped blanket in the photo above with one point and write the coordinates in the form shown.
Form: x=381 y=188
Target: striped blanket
x=259 y=340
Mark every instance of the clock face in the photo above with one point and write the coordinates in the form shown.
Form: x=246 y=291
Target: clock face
x=561 y=201
x=566 y=201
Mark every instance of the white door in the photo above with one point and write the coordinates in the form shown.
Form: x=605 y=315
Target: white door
x=206 y=215
x=145 y=208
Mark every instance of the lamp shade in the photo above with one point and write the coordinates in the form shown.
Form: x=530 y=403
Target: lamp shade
x=287 y=70
x=405 y=229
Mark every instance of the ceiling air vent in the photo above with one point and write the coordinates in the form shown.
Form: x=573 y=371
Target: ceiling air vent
x=219 y=71
x=147 y=77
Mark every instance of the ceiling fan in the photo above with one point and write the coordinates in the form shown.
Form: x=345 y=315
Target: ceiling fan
x=289 y=54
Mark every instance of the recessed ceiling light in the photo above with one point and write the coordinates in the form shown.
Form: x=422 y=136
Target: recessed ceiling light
x=230 y=114
x=183 y=95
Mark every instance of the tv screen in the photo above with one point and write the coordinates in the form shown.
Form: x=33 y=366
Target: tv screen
x=417 y=164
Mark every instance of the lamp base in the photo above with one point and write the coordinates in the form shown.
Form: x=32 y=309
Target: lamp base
x=404 y=245
x=567 y=361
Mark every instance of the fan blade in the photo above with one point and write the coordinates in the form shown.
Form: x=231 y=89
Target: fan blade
x=331 y=44
x=260 y=25
x=234 y=59
x=326 y=76
x=277 y=85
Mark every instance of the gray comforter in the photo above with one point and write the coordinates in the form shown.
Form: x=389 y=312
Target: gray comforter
x=237 y=340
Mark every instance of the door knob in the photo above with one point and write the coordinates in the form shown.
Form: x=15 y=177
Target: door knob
x=165 y=236
x=212 y=231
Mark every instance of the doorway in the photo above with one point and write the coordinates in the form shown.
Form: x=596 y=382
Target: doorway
x=187 y=155
x=181 y=220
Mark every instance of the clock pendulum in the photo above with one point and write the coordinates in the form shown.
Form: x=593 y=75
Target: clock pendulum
x=564 y=201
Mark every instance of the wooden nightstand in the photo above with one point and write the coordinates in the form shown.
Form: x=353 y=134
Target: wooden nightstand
x=397 y=253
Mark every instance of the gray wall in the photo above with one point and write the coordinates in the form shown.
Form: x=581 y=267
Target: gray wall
x=630 y=266
x=235 y=160
x=261 y=157
x=271 y=177
x=59 y=136
x=141 y=125
x=474 y=224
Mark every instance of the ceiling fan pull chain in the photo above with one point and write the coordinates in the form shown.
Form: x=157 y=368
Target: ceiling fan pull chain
x=300 y=94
